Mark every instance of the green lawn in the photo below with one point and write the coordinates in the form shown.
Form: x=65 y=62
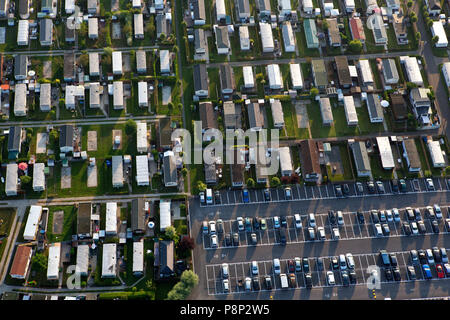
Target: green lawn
x=292 y=131
x=377 y=170
x=6 y=218
x=69 y=228
x=303 y=50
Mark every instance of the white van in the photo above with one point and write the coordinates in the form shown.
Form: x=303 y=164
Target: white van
x=284 y=281
x=209 y=196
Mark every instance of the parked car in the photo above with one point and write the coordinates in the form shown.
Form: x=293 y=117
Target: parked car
x=429 y=183
x=374 y=215
x=397 y=275
x=334 y=263
x=393 y=259
x=254 y=268
x=436 y=254
x=282 y=237
x=447 y=269
x=371 y=187
x=205 y=227
x=219 y=225
x=389 y=216
x=319 y=262
x=396 y=214
x=240 y=222
x=228 y=239
x=298 y=264
x=255 y=284
x=217 y=198
x=394 y=185
x=292 y=281
x=411 y=273
x=414 y=257
x=350 y=260
x=202 y=197
x=430 y=257
x=359 y=188
x=388 y=274
x=225 y=271
x=298 y=221
x=430 y=213
x=225 y=285
x=248 y=284
x=406 y=228
x=427 y=271
x=268 y=282
x=212 y=227
x=444 y=256
x=402 y=185
x=437 y=211
x=254 y=239
x=283 y=221
x=330 y=278
x=414 y=228
x=345 y=189
x=331 y=217
x=312 y=220
x=276 y=266
x=340 y=218
x=305 y=264
x=386 y=230
x=266 y=195
x=352 y=276
x=338 y=191
x=235 y=239
x=422 y=228
x=214 y=241
x=308 y=280
x=440 y=271
x=245 y=196
x=435 y=226
x=378 y=230
x=276 y=222
x=263 y=224
x=311 y=234
x=417 y=214
x=248 y=224
x=360 y=216
x=256 y=223
x=342 y=262
x=321 y=232
x=382 y=216
x=345 y=278
x=410 y=214
x=380 y=187
x=288 y=193
x=422 y=256
x=336 y=234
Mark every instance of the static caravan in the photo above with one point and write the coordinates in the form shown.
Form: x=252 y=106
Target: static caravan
x=117 y=62
x=117 y=172
x=141 y=133
x=32 y=225
x=38 y=177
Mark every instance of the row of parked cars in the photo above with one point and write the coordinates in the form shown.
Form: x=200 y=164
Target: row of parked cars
x=425 y=258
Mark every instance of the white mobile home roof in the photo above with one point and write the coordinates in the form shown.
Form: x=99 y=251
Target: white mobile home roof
x=22 y=33
x=38 y=177
x=69 y=5
x=54 y=256
x=137 y=3
x=436 y=154
x=141 y=134
x=249 y=81
x=164 y=214
x=109 y=261
x=111 y=217
x=437 y=29
x=11 y=179
x=32 y=225
x=350 y=110
x=94 y=68
x=118 y=94
x=117 y=62
x=412 y=70
x=117 y=171
x=266 y=37
x=93 y=27
x=20 y=99
x=288 y=37
x=296 y=76
x=138 y=256
x=45 y=96
x=164 y=60
x=142 y=93
x=387 y=158
x=274 y=73
x=366 y=71
x=285 y=159
x=220 y=9
x=307 y=5
x=82 y=259
x=446 y=72
x=285 y=5
x=244 y=38
x=277 y=112
x=138 y=25
x=142 y=170
x=325 y=110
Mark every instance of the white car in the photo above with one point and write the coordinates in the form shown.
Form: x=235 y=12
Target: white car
x=430 y=256
x=298 y=221
x=312 y=234
x=437 y=211
x=276 y=222
x=389 y=216
x=378 y=230
x=396 y=215
x=350 y=260
x=340 y=218
x=276 y=266
x=298 y=264
x=212 y=227
x=342 y=262
x=226 y=286
x=336 y=234
x=225 y=272
x=321 y=232
x=240 y=222
x=414 y=228
x=255 y=269
x=248 y=284
x=213 y=241
x=330 y=278
x=312 y=220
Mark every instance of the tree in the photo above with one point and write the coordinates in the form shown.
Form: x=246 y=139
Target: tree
x=325 y=24
x=182 y=289
x=130 y=127
x=189 y=279
x=39 y=262
x=447 y=171
x=25 y=182
x=313 y=92
x=430 y=23
x=355 y=46
x=411 y=85
x=427 y=174
x=171 y=233
x=201 y=186
x=435 y=39
x=418 y=36
x=184 y=172
x=409 y=4
x=250 y=183
x=84 y=60
x=186 y=243
x=275 y=181
x=413 y=19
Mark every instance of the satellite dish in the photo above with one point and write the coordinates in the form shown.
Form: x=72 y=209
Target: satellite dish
x=384 y=103
x=31 y=73
x=151 y=224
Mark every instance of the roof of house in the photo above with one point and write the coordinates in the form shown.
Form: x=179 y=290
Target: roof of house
x=69 y=66
x=390 y=69
x=434 y=5
x=360 y=156
x=170 y=168
x=400 y=27
x=263 y=5
x=207 y=115
x=255 y=117
x=277 y=111
x=199 y=9
x=141 y=62
x=243 y=6
x=200 y=77
x=357 y=29
x=45 y=30
x=399 y=106
x=138 y=214
x=309 y=26
x=374 y=106
x=333 y=31
x=21 y=65
x=420 y=95
x=14 y=136
x=309 y=157
x=222 y=39
x=21 y=261
x=413 y=154
x=325 y=109
x=84 y=218
x=320 y=72
x=210 y=173
x=226 y=77
x=166 y=257
x=200 y=40
x=66 y=136
x=230 y=115
x=343 y=71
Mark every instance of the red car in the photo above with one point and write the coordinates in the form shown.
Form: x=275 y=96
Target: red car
x=291 y=266
x=440 y=271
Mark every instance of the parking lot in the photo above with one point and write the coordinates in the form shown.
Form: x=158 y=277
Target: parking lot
x=303 y=192
x=238 y=271
x=350 y=230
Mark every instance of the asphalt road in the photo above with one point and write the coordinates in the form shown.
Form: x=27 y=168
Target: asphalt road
x=406 y=290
